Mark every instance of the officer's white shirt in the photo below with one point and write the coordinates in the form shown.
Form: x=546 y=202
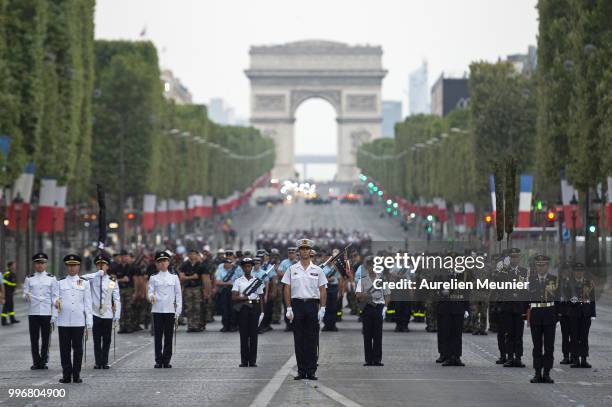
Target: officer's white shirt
x=43 y=291
x=305 y=283
x=110 y=295
x=75 y=302
x=166 y=288
x=242 y=283
x=365 y=284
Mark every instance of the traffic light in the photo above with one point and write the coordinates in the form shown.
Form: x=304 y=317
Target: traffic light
x=389 y=202
x=395 y=212
x=429 y=218
x=592 y=226
x=429 y=228
x=362 y=177
x=131 y=216
x=395 y=205
x=539 y=205
x=380 y=193
x=488 y=219
x=551 y=216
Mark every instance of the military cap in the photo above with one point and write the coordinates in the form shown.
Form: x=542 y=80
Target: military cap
x=247 y=260
x=291 y=249
x=275 y=251
x=239 y=253
x=72 y=259
x=257 y=259
x=515 y=251
x=304 y=243
x=102 y=258
x=123 y=252
x=229 y=253
x=206 y=248
x=40 y=258
x=162 y=255
x=226 y=260
x=540 y=258
x=221 y=251
x=262 y=252
x=192 y=250
x=247 y=253
x=578 y=267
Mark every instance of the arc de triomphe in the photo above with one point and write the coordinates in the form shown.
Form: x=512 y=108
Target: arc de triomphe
x=348 y=77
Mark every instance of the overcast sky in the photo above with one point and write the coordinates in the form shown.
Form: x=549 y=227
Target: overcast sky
x=206 y=42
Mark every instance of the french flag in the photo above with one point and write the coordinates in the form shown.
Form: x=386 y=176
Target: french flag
x=46 y=206
x=22 y=188
x=567 y=193
x=441 y=204
x=148 y=212
x=526 y=189
x=470 y=215
x=459 y=216
x=207 y=206
x=493 y=205
x=61 y=192
x=192 y=203
x=162 y=213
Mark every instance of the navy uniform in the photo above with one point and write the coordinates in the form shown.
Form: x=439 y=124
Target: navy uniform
x=543 y=292
x=10 y=284
x=563 y=308
x=40 y=290
x=372 y=314
x=333 y=281
x=581 y=295
x=514 y=310
x=73 y=311
x=500 y=274
x=304 y=291
x=282 y=268
x=106 y=308
x=247 y=295
x=164 y=292
x=227 y=273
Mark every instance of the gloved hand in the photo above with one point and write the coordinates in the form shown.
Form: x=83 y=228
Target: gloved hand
x=321 y=313
x=89 y=325
x=289 y=313
x=500 y=266
x=27 y=297
x=384 y=312
x=466 y=314
x=115 y=323
x=593 y=318
x=54 y=320
x=152 y=299
x=507 y=261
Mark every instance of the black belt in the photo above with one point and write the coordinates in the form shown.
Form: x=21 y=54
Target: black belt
x=305 y=300
x=252 y=302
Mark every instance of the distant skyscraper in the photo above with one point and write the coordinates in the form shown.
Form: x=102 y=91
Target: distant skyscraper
x=221 y=113
x=418 y=91
x=392 y=113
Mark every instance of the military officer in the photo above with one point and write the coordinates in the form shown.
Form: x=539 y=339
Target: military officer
x=543 y=292
x=124 y=274
x=192 y=277
x=106 y=306
x=514 y=311
x=282 y=268
x=479 y=299
x=226 y=274
x=372 y=314
x=496 y=306
x=305 y=290
x=247 y=295
x=40 y=290
x=10 y=284
x=271 y=293
x=164 y=293
x=73 y=308
x=563 y=309
x=333 y=281
x=581 y=294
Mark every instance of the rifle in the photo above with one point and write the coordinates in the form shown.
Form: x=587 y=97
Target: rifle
x=363 y=303
x=229 y=275
x=101 y=217
x=253 y=287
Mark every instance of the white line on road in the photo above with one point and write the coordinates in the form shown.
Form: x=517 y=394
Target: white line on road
x=267 y=393
x=332 y=394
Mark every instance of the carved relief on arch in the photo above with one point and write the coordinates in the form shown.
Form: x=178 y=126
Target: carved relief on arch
x=357 y=138
x=332 y=96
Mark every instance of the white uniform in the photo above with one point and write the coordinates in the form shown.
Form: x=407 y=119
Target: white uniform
x=75 y=303
x=110 y=295
x=42 y=289
x=242 y=283
x=305 y=283
x=166 y=288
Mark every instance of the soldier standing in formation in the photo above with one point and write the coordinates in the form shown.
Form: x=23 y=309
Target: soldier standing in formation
x=10 y=284
x=227 y=273
x=495 y=308
x=563 y=308
x=514 y=310
x=106 y=302
x=479 y=300
x=333 y=281
x=543 y=292
x=284 y=266
x=247 y=295
x=372 y=314
x=192 y=279
x=73 y=308
x=164 y=293
x=305 y=290
x=40 y=290
x=581 y=294
x=124 y=275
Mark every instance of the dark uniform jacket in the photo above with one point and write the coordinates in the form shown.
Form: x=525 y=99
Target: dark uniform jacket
x=580 y=297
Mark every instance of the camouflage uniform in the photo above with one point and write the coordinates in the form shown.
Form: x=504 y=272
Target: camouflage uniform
x=192 y=295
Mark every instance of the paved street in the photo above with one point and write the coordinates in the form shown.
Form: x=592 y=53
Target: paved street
x=206 y=372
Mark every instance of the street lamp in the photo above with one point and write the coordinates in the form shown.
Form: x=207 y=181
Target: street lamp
x=574 y=207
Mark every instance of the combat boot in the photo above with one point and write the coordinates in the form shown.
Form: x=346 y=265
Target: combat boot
x=537 y=378
x=584 y=363
x=4 y=323
x=546 y=377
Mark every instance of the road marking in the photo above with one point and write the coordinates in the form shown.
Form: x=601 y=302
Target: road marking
x=331 y=393
x=267 y=393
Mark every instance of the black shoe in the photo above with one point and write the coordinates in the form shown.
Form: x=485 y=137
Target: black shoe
x=378 y=364
x=458 y=362
x=289 y=329
x=65 y=380
x=136 y=328
x=501 y=360
x=167 y=366
x=43 y=367
x=34 y=367
x=475 y=333
x=576 y=363
x=585 y=364
x=483 y=333
x=518 y=362
x=192 y=330
x=106 y=367
x=234 y=329
x=509 y=363
x=325 y=329
x=299 y=377
x=4 y=323
x=449 y=362
x=252 y=364
x=441 y=359
x=311 y=377
x=77 y=379
x=158 y=366
x=546 y=378
x=367 y=364
x=565 y=361
x=224 y=329
x=243 y=365
x=537 y=378
x=97 y=367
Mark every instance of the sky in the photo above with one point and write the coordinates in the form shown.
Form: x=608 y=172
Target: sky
x=206 y=42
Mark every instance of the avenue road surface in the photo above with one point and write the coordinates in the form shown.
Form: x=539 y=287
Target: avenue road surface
x=205 y=365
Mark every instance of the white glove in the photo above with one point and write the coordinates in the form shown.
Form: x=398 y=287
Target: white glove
x=53 y=319
x=289 y=313
x=507 y=261
x=152 y=299
x=27 y=297
x=89 y=326
x=321 y=314
x=466 y=314
x=500 y=266
x=593 y=318
x=384 y=311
